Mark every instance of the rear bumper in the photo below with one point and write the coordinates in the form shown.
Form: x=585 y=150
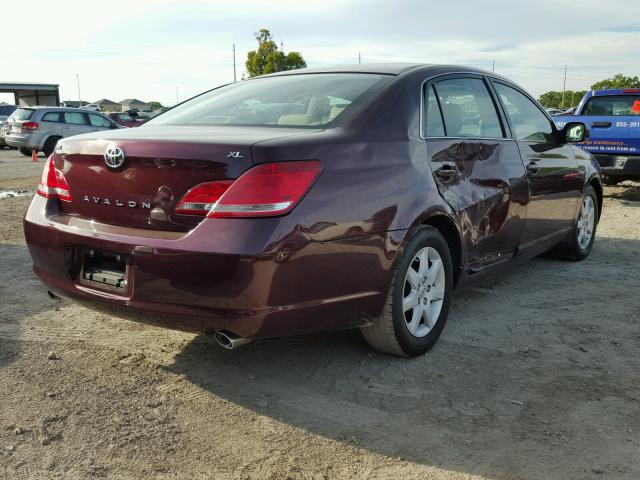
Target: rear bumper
x=241 y=276
x=619 y=165
x=31 y=141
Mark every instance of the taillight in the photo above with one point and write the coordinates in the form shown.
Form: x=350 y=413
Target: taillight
x=631 y=90
x=30 y=126
x=201 y=199
x=265 y=190
x=53 y=184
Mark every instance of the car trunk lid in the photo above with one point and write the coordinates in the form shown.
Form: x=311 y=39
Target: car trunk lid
x=160 y=165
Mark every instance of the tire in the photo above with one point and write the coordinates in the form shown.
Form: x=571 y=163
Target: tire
x=50 y=145
x=579 y=247
x=25 y=151
x=393 y=332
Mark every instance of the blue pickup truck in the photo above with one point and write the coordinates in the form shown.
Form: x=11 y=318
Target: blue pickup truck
x=613 y=119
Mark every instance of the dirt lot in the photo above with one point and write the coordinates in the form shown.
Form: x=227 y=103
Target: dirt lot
x=536 y=377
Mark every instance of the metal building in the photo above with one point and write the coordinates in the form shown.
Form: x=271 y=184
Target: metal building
x=30 y=94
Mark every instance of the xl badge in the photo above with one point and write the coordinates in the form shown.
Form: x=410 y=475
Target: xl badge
x=114 y=157
x=234 y=155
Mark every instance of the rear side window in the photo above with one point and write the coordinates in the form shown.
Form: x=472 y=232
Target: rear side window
x=75 y=118
x=22 y=114
x=529 y=123
x=288 y=101
x=434 y=126
x=52 y=117
x=99 y=121
x=615 y=105
x=467 y=108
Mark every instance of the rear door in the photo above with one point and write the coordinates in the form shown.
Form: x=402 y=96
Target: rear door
x=53 y=123
x=75 y=123
x=476 y=166
x=614 y=123
x=555 y=182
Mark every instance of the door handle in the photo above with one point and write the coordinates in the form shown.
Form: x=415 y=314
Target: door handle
x=533 y=168
x=601 y=124
x=446 y=172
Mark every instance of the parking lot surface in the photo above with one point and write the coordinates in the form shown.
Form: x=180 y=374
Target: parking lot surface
x=535 y=377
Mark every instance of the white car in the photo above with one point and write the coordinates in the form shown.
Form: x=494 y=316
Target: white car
x=92 y=106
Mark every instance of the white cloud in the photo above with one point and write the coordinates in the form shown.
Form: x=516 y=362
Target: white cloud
x=146 y=49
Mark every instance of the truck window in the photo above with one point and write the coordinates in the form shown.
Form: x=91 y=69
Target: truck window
x=615 y=105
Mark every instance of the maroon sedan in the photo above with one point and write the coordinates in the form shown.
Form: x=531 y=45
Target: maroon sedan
x=357 y=196
x=124 y=119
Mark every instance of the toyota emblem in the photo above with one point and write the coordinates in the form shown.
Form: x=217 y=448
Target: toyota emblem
x=114 y=157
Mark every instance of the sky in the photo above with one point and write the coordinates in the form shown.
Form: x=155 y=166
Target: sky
x=166 y=50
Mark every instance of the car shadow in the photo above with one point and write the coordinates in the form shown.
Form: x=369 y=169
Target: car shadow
x=628 y=194
x=17 y=282
x=526 y=374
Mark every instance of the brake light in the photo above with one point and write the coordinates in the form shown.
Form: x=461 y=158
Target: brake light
x=631 y=90
x=265 y=190
x=53 y=184
x=30 y=126
x=201 y=199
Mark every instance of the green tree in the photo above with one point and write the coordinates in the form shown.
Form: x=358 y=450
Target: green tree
x=155 y=105
x=617 y=81
x=550 y=99
x=268 y=58
x=553 y=99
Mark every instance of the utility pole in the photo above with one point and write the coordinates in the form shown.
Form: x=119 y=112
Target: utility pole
x=234 y=63
x=177 y=101
x=79 y=98
x=359 y=58
x=564 y=86
x=493 y=67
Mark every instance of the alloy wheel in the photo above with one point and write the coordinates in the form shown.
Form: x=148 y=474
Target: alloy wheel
x=423 y=292
x=586 y=222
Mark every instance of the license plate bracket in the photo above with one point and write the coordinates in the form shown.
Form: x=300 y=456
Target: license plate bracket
x=105 y=270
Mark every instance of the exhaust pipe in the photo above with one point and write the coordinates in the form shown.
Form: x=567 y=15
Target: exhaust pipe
x=228 y=340
x=52 y=295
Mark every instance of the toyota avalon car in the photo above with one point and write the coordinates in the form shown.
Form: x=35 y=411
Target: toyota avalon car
x=311 y=200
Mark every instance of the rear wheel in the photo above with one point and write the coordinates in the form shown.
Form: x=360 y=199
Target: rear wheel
x=584 y=234
x=418 y=301
x=25 y=151
x=50 y=145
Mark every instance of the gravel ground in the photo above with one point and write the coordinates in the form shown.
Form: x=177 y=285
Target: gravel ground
x=535 y=377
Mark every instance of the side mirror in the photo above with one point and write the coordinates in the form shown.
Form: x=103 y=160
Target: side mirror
x=574 y=132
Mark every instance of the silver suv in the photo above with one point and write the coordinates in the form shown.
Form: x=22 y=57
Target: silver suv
x=5 y=112
x=40 y=128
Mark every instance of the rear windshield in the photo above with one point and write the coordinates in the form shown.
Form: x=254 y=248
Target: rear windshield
x=310 y=100
x=615 y=105
x=7 y=110
x=22 y=114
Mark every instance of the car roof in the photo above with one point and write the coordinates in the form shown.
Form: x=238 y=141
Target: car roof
x=394 y=69
x=58 y=109
x=380 y=68
x=615 y=91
